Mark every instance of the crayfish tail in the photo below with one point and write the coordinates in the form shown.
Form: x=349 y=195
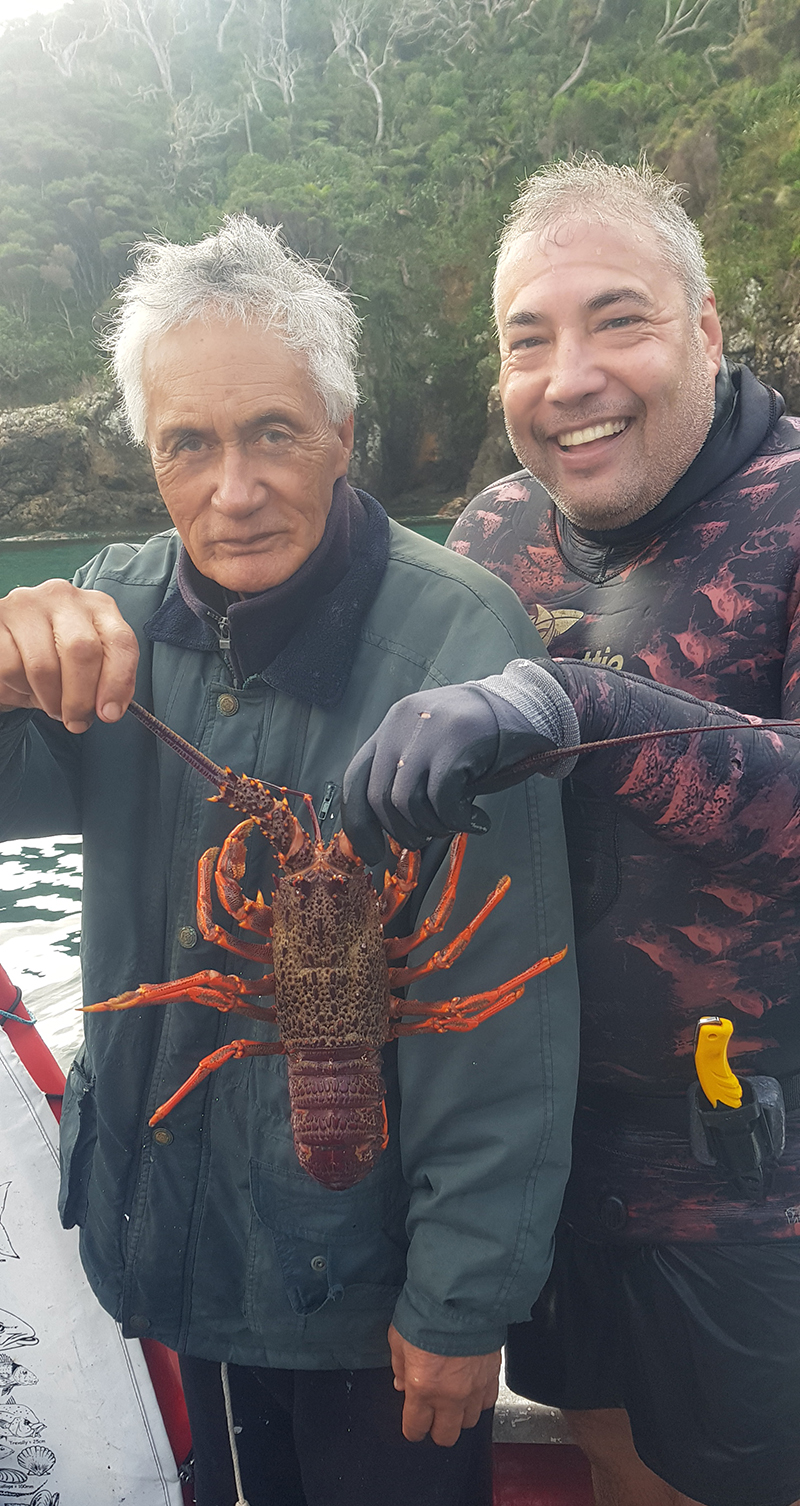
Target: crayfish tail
x=338 y=1113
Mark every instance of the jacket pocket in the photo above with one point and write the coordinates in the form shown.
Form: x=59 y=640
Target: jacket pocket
x=78 y=1138
x=328 y=1242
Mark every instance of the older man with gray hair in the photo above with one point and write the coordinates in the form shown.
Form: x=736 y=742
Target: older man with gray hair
x=358 y=1330
x=653 y=536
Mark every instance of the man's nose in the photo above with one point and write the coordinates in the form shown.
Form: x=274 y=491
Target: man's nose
x=573 y=372
x=237 y=487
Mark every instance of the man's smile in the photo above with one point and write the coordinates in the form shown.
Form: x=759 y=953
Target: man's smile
x=571 y=438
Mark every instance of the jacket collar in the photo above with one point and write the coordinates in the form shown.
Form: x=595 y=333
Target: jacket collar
x=316 y=663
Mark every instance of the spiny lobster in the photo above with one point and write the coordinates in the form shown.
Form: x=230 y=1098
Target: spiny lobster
x=333 y=971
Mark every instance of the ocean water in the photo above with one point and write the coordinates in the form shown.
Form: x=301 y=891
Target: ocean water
x=40 y=881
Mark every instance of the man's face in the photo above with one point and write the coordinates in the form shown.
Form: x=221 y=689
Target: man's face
x=243 y=451
x=607 y=382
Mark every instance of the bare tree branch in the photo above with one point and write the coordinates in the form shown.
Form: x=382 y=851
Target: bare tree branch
x=232 y=6
x=154 y=23
x=687 y=17
x=573 y=78
x=365 y=34
x=587 y=51
x=745 y=7
x=65 y=55
x=194 y=119
x=269 y=59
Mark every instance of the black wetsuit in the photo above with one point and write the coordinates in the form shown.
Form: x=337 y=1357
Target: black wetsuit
x=702 y=595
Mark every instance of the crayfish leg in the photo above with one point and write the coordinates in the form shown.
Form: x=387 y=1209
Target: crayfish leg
x=235 y=1051
x=398 y=885
x=400 y=946
x=254 y=914
x=464 y=1013
x=220 y=991
x=206 y=871
x=400 y=976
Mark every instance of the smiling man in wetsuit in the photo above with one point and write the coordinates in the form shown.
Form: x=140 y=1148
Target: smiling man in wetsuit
x=654 y=537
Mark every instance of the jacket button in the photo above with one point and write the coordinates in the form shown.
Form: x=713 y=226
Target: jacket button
x=163 y=1137
x=139 y=1323
x=319 y=1263
x=188 y=937
x=227 y=705
x=613 y=1214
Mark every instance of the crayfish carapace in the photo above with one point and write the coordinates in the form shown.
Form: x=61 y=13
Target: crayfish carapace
x=333 y=969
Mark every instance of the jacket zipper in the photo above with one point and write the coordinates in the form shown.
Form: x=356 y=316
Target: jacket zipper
x=223 y=627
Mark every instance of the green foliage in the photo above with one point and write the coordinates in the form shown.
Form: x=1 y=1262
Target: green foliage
x=387 y=137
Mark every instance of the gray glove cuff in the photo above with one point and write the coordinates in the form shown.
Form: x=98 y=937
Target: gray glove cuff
x=531 y=689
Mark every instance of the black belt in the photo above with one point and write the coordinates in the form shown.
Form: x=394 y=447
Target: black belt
x=640 y=1111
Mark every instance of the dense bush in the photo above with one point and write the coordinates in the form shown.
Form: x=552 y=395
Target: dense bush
x=387 y=136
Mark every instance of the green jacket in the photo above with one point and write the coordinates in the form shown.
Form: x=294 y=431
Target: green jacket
x=210 y=1237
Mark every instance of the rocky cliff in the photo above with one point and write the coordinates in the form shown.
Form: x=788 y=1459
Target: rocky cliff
x=69 y=468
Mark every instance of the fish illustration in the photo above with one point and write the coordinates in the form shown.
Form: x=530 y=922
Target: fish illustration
x=18 y=1424
x=11 y=1375
x=14 y=1333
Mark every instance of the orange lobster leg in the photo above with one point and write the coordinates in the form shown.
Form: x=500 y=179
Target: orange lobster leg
x=218 y=990
x=465 y=1013
x=400 y=946
x=253 y=913
x=400 y=976
x=233 y=1052
x=398 y=885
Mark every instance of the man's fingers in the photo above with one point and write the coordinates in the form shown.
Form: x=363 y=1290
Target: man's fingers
x=79 y=652
x=443 y=1394
x=418 y=1419
x=117 y=680
x=361 y=825
x=66 y=652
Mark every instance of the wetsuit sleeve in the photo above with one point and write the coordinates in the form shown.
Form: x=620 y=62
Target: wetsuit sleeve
x=729 y=800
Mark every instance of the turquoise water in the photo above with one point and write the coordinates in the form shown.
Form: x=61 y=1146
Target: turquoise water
x=29 y=563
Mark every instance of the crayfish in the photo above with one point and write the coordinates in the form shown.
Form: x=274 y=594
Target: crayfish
x=333 y=969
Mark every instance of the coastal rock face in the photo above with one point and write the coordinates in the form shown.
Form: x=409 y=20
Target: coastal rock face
x=495 y=457
x=69 y=467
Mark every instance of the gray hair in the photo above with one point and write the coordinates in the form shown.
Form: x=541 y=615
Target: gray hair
x=243 y=272
x=604 y=192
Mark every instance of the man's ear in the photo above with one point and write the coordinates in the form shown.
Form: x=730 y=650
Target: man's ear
x=711 y=333
x=345 y=432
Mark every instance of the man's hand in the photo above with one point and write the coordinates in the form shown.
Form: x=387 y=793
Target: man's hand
x=418 y=774
x=443 y=1393
x=66 y=652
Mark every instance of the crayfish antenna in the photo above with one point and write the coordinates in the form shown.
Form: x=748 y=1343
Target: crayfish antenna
x=246 y=796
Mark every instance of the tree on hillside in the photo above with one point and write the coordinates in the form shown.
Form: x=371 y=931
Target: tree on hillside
x=387 y=137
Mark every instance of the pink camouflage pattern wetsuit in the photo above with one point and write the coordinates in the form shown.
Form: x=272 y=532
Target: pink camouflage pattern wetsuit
x=703 y=915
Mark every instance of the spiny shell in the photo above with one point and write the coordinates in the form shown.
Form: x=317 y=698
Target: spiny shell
x=37 y=1460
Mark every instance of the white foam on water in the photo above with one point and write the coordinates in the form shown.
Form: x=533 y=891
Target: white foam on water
x=40 y=880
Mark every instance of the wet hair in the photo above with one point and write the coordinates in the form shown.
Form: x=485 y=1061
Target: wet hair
x=606 y=192
x=244 y=272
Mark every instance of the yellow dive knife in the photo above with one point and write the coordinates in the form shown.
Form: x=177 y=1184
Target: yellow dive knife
x=721 y=1087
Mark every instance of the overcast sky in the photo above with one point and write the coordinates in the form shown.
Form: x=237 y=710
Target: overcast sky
x=11 y=8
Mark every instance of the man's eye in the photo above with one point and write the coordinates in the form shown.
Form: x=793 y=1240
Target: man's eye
x=623 y=322
x=273 y=436
x=530 y=342
x=191 y=443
